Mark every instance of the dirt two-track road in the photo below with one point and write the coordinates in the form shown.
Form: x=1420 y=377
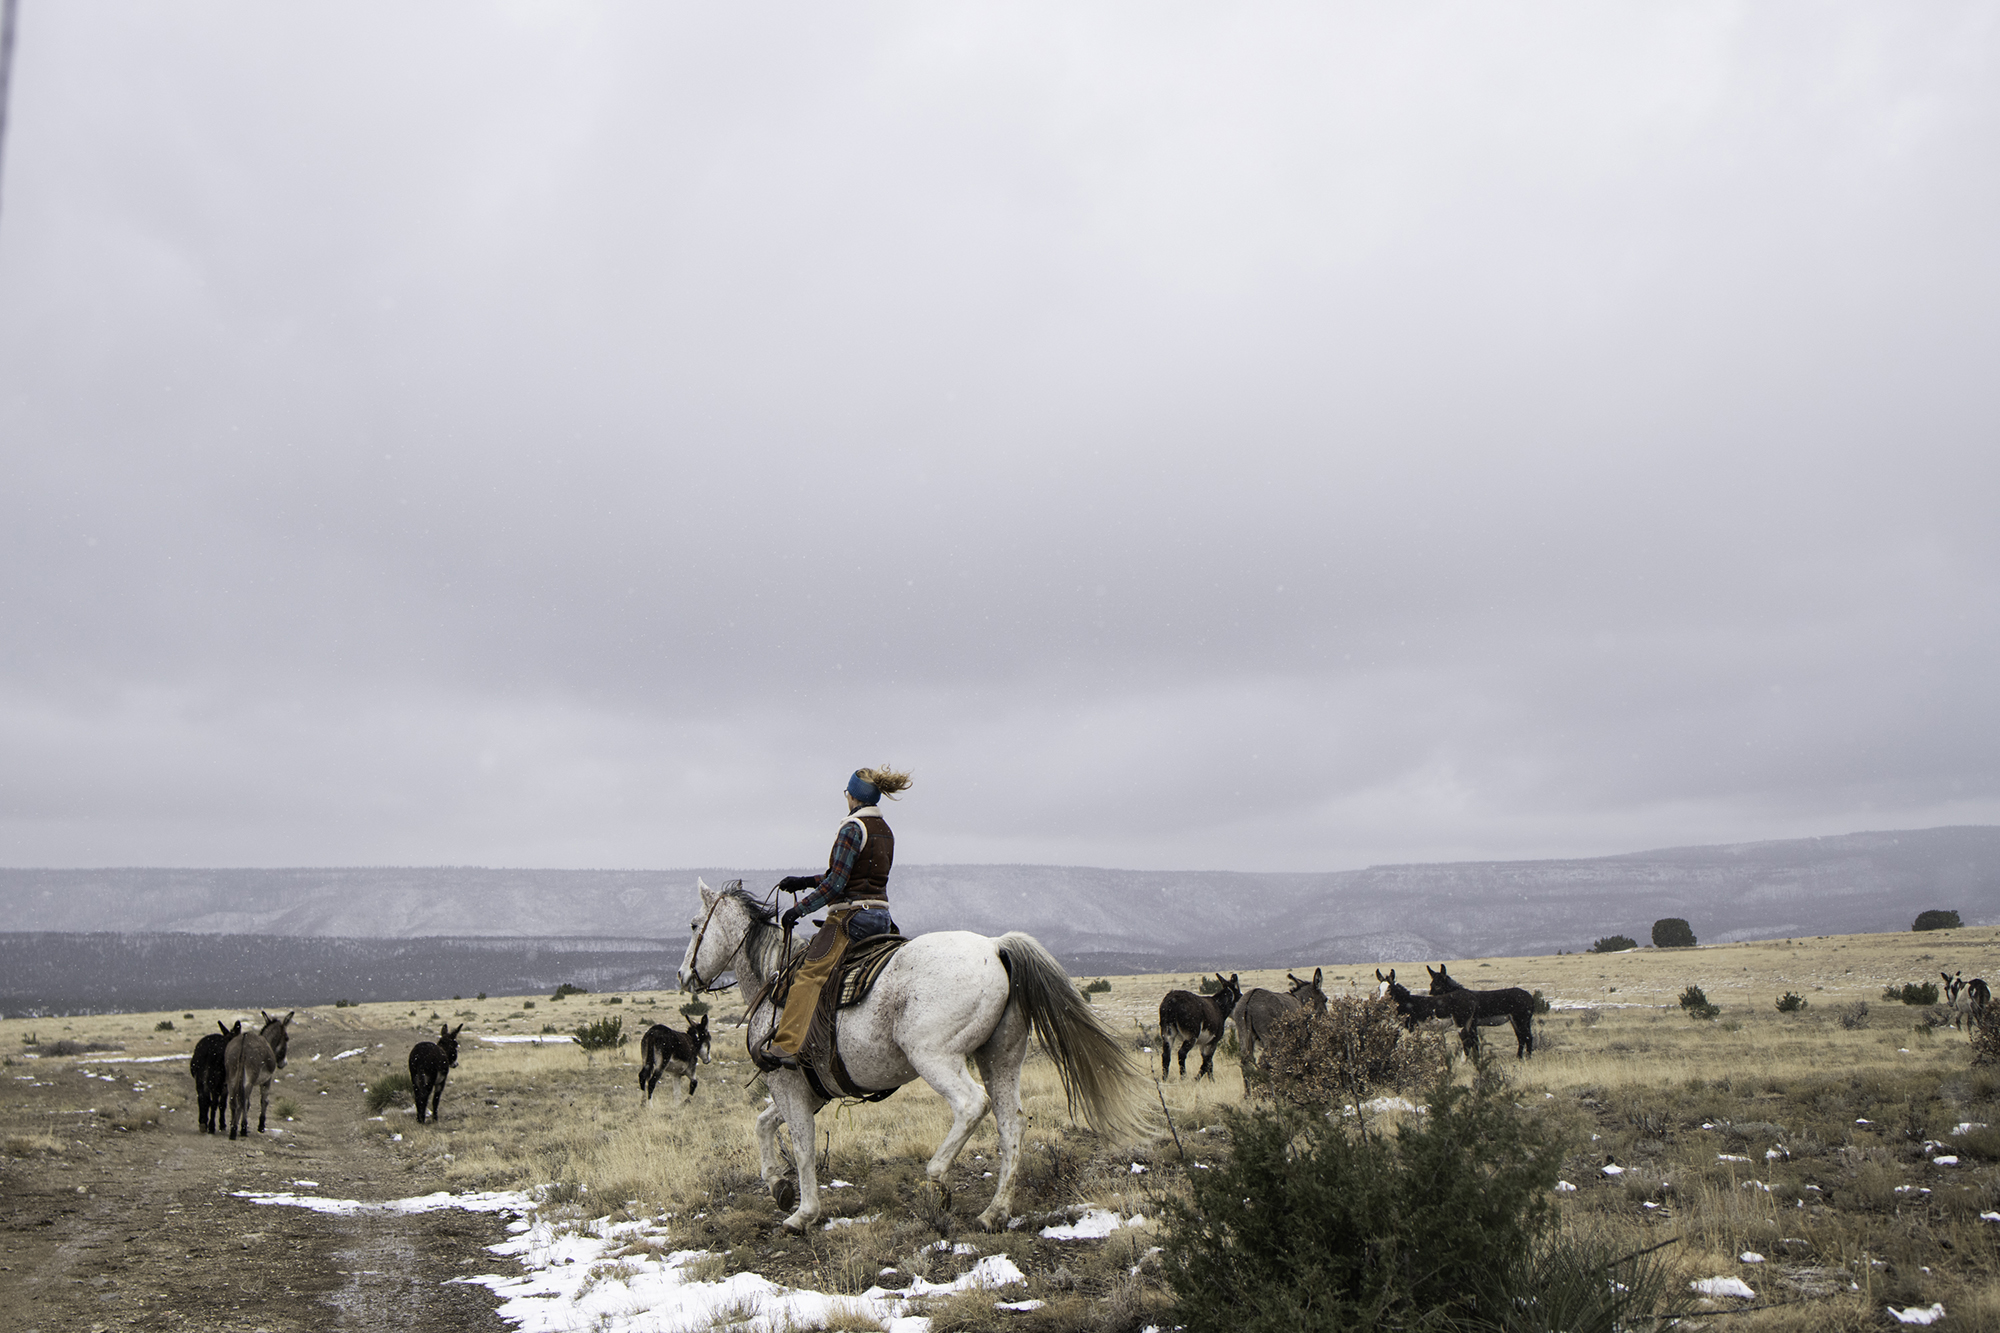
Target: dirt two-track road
x=113 y=1223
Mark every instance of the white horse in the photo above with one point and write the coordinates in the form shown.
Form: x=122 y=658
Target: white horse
x=943 y=997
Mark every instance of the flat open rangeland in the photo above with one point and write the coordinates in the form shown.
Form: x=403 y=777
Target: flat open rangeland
x=1849 y=1156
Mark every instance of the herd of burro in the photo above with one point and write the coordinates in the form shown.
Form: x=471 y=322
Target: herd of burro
x=1198 y=1020
x=230 y=1064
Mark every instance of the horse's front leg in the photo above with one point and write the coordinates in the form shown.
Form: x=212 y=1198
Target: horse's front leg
x=794 y=1104
x=768 y=1166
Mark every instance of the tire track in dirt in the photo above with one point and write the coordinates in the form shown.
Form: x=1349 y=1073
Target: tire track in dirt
x=131 y=1226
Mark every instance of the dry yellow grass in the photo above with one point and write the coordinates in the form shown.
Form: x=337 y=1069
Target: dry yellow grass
x=1620 y=1066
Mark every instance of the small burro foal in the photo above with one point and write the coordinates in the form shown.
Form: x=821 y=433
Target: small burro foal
x=430 y=1061
x=665 y=1050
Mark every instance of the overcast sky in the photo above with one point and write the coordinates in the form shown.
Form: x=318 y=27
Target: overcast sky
x=1188 y=436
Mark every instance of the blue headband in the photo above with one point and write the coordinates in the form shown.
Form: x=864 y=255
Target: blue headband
x=862 y=790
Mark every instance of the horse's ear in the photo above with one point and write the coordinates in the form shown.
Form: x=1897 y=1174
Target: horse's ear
x=707 y=896
x=1232 y=980
x=1316 y=976
x=287 y=1022
x=460 y=1028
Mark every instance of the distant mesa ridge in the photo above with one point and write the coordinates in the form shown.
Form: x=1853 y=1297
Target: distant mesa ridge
x=1096 y=920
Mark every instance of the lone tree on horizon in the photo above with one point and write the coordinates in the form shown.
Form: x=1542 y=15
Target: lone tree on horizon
x=1672 y=932
x=1937 y=919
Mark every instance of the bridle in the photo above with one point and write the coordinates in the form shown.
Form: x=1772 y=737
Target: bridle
x=701 y=933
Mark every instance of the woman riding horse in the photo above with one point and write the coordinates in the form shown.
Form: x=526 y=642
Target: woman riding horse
x=856 y=887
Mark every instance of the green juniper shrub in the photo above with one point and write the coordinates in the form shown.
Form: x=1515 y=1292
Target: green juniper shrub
x=1695 y=1002
x=164 y=1025
x=343 y=1004
x=604 y=1034
x=1912 y=992
x=1789 y=1003
x=1614 y=944
x=694 y=1009
x=567 y=989
x=1936 y=919
x=1097 y=987
x=480 y=996
x=1673 y=932
x=1852 y=1016
x=1313 y=1223
x=1541 y=1003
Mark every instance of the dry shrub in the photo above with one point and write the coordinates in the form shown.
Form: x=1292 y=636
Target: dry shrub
x=1355 y=1048
x=1986 y=1036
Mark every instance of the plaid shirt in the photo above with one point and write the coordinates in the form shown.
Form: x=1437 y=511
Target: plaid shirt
x=832 y=885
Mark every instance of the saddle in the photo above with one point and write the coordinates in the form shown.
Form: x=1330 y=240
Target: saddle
x=819 y=1056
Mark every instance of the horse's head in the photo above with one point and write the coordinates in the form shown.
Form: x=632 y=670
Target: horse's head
x=1227 y=994
x=698 y=1037
x=448 y=1043
x=277 y=1031
x=1442 y=982
x=718 y=932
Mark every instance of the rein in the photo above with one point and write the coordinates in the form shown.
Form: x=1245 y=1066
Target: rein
x=700 y=934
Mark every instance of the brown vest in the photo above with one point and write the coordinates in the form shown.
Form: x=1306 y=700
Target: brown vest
x=870 y=876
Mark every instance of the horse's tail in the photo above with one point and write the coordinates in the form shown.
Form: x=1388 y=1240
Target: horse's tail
x=1097 y=1070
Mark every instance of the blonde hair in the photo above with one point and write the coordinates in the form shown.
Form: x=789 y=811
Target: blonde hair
x=886 y=779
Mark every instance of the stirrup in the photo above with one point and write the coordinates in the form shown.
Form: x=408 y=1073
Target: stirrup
x=769 y=1060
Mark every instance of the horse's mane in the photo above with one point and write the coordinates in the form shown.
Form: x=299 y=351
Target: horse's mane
x=762 y=913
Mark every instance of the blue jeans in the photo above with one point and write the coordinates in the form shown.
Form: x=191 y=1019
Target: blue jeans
x=874 y=921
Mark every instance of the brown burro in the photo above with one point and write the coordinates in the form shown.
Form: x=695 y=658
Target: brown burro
x=252 y=1060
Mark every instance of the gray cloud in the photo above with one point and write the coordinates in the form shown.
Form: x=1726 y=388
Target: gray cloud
x=1278 y=441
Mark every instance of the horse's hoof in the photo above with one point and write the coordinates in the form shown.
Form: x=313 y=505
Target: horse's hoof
x=797 y=1223
x=785 y=1192
x=991 y=1220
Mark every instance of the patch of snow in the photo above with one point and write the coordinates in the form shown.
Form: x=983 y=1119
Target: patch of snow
x=1729 y=1157
x=1967 y=1126
x=128 y=1059
x=1018 y=1305
x=1724 y=1286
x=1137 y=1170
x=1946 y=1160
x=1378 y=1105
x=1613 y=1169
x=1864 y=1122
x=1564 y=1187
x=344 y=1055
x=536 y=1039
x=946 y=1247
x=497 y=1201
x=1750 y=1257
x=1989 y=1217
x=1093 y=1225
x=837 y=1222
x=1777 y=1154
x=1917 y=1315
